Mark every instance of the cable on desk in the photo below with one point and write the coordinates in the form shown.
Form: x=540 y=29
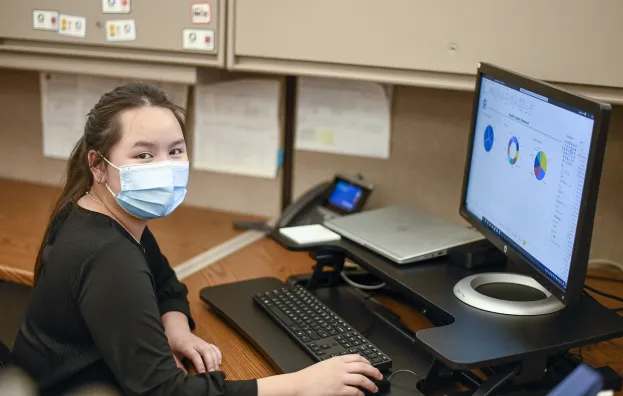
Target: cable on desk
x=404 y=371
x=359 y=285
x=605 y=278
x=597 y=291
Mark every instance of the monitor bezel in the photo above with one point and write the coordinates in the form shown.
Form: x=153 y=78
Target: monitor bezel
x=586 y=216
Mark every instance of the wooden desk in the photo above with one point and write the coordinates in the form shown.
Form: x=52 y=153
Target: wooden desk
x=25 y=209
x=267 y=258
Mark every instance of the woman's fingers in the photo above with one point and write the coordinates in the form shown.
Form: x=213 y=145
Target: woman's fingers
x=218 y=354
x=209 y=355
x=196 y=358
x=361 y=381
x=364 y=369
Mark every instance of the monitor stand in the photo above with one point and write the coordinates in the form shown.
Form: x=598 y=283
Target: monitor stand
x=506 y=293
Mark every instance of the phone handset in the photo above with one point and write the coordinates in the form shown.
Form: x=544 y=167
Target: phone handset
x=307 y=201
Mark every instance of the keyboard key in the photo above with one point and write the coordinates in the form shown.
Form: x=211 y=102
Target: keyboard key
x=325 y=346
x=305 y=338
x=353 y=350
x=372 y=355
x=376 y=360
x=320 y=353
x=338 y=338
x=347 y=345
x=356 y=342
x=277 y=312
x=311 y=344
x=343 y=353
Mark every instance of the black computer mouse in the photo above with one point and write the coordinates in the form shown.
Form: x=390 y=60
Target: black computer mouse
x=382 y=384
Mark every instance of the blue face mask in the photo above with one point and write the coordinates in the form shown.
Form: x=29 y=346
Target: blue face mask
x=151 y=190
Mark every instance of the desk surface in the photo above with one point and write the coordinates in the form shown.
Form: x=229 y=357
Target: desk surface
x=25 y=209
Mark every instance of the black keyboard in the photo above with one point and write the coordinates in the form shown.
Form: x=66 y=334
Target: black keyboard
x=317 y=329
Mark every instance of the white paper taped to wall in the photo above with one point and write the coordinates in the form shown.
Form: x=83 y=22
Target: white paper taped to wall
x=65 y=102
x=66 y=99
x=343 y=117
x=237 y=127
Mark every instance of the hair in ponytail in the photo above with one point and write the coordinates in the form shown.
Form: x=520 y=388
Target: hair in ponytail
x=102 y=131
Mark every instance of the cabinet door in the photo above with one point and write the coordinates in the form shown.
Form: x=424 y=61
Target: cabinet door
x=572 y=41
x=161 y=28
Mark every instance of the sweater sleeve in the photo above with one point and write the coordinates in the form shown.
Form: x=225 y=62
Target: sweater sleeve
x=170 y=292
x=117 y=301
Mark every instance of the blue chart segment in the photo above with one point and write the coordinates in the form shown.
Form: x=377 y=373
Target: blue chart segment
x=489 y=138
x=513 y=150
x=540 y=165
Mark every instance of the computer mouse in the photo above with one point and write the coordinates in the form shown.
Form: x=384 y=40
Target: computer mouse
x=382 y=384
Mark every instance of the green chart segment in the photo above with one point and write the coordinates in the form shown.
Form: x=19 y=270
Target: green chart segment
x=540 y=165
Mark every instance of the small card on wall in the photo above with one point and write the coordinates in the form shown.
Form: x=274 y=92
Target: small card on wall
x=198 y=39
x=121 y=30
x=71 y=25
x=200 y=13
x=116 y=6
x=45 y=20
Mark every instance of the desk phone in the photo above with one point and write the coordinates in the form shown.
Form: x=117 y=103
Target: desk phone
x=326 y=200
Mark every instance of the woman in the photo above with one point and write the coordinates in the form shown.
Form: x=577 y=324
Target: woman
x=107 y=307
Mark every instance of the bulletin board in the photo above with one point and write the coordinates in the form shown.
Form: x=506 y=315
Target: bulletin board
x=188 y=31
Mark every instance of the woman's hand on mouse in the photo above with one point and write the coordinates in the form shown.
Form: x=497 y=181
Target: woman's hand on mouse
x=338 y=376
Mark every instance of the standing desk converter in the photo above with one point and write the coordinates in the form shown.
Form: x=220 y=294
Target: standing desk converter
x=473 y=338
x=466 y=338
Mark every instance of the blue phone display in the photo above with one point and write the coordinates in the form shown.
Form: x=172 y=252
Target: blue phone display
x=345 y=196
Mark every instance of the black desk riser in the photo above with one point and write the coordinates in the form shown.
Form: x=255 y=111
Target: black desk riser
x=474 y=338
x=234 y=303
x=467 y=338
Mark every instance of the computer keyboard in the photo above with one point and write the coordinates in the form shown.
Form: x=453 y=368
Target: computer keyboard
x=317 y=329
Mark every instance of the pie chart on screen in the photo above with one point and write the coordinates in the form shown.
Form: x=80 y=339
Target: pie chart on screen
x=540 y=165
x=488 y=138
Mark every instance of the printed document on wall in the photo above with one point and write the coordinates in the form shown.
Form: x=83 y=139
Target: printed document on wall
x=237 y=127
x=65 y=102
x=343 y=117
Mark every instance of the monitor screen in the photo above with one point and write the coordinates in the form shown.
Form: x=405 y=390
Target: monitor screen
x=345 y=196
x=527 y=172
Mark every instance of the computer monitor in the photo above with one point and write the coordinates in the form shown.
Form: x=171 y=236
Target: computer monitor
x=532 y=174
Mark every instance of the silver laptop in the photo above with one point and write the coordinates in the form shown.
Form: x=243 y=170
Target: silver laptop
x=403 y=234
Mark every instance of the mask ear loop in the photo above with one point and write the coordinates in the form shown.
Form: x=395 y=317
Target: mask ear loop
x=114 y=166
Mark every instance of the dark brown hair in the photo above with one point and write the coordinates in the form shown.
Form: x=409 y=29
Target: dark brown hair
x=102 y=131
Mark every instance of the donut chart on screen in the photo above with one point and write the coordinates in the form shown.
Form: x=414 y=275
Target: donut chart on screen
x=513 y=150
x=488 y=139
x=540 y=165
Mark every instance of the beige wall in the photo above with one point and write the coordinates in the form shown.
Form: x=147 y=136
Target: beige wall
x=429 y=135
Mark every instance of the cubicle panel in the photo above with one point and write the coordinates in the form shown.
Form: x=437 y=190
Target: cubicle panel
x=181 y=31
x=571 y=41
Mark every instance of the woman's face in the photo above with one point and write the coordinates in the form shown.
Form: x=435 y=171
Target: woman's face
x=149 y=134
